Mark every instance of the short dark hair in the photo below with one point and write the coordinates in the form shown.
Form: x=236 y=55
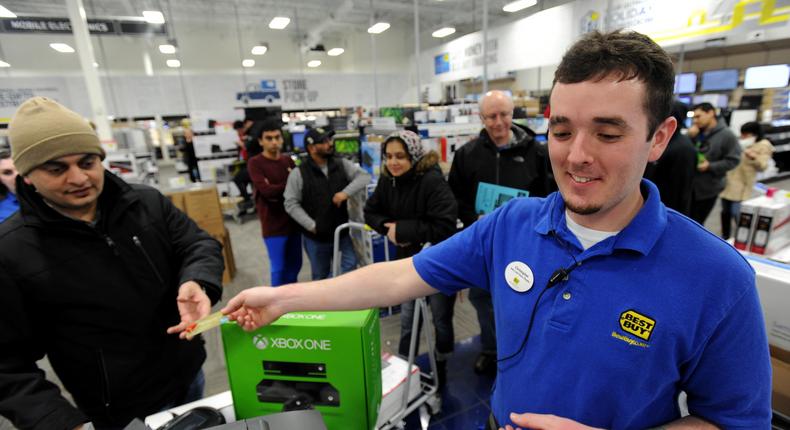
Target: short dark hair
x=630 y=55
x=269 y=124
x=238 y=124
x=753 y=128
x=707 y=107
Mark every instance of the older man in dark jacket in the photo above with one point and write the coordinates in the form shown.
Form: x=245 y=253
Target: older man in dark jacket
x=504 y=154
x=94 y=273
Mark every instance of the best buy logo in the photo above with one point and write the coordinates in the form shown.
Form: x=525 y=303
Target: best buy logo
x=262 y=342
x=637 y=324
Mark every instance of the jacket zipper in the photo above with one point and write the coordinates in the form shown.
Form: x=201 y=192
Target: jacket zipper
x=111 y=244
x=139 y=244
x=105 y=381
x=497 y=168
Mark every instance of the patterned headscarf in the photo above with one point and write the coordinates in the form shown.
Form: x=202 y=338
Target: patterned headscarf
x=413 y=144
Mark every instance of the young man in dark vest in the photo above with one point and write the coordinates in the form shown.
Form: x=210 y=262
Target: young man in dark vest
x=315 y=197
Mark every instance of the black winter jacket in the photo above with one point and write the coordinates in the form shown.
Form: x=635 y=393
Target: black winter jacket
x=419 y=202
x=97 y=302
x=525 y=165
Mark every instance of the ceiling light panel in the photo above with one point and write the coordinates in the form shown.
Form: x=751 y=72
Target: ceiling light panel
x=443 y=32
x=173 y=63
x=279 y=22
x=248 y=62
x=518 y=5
x=167 y=49
x=62 y=47
x=5 y=13
x=259 y=49
x=334 y=52
x=314 y=63
x=378 y=28
x=4 y=64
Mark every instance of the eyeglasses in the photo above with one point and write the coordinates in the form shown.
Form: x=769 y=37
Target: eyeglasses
x=494 y=116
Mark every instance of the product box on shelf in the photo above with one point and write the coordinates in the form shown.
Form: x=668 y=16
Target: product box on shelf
x=771 y=227
x=330 y=361
x=745 y=227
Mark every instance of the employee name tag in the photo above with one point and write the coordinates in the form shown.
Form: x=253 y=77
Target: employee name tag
x=519 y=276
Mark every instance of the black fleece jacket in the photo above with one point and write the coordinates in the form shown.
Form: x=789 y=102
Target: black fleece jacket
x=524 y=165
x=97 y=301
x=419 y=202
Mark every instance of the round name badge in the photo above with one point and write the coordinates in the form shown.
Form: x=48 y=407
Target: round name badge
x=519 y=276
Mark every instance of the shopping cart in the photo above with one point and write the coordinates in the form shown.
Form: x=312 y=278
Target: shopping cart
x=428 y=402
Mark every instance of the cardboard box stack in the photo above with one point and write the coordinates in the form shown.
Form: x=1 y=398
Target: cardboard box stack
x=773 y=285
x=201 y=203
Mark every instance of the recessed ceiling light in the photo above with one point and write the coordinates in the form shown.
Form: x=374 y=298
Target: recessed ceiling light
x=95 y=64
x=259 y=49
x=378 y=27
x=167 y=49
x=314 y=63
x=5 y=13
x=173 y=63
x=279 y=22
x=443 y=32
x=153 y=17
x=518 y=5
x=62 y=47
x=334 y=52
x=4 y=64
x=248 y=62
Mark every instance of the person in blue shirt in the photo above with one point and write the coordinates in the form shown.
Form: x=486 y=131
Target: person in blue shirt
x=8 y=202
x=607 y=304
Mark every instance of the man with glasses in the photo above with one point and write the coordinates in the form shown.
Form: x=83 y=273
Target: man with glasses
x=504 y=154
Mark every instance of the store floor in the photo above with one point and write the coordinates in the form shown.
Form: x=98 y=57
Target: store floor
x=465 y=400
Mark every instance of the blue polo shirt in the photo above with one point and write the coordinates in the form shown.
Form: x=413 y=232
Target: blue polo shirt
x=664 y=306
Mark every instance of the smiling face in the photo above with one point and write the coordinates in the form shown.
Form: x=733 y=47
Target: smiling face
x=599 y=146
x=397 y=159
x=71 y=184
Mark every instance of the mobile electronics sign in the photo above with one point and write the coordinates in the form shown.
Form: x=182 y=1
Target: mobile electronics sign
x=113 y=27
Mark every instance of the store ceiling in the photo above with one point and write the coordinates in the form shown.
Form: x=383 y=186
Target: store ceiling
x=330 y=16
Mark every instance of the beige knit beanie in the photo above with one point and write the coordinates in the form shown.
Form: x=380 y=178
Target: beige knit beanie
x=43 y=130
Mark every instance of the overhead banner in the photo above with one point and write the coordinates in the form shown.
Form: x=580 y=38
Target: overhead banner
x=520 y=45
x=114 y=27
x=674 y=22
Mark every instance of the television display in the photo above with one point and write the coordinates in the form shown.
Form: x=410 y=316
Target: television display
x=346 y=145
x=298 y=139
x=720 y=80
x=685 y=83
x=774 y=76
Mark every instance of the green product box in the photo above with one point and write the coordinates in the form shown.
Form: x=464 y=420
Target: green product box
x=330 y=361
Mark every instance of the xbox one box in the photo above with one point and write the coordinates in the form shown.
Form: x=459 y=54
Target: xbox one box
x=329 y=361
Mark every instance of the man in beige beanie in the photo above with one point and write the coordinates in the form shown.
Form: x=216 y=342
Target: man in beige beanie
x=94 y=274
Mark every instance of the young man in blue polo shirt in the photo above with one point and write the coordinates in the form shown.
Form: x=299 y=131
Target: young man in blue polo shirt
x=607 y=304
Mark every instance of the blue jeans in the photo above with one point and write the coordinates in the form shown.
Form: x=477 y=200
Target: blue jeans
x=320 y=256
x=442 y=315
x=285 y=258
x=481 y=300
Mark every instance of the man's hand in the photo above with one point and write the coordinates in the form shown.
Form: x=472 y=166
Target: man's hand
x=704 y=166
x=253 y=308
x=693 y=131
x=545 y=422
x=391 y=232
x=339 y=198
x=193 y=304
